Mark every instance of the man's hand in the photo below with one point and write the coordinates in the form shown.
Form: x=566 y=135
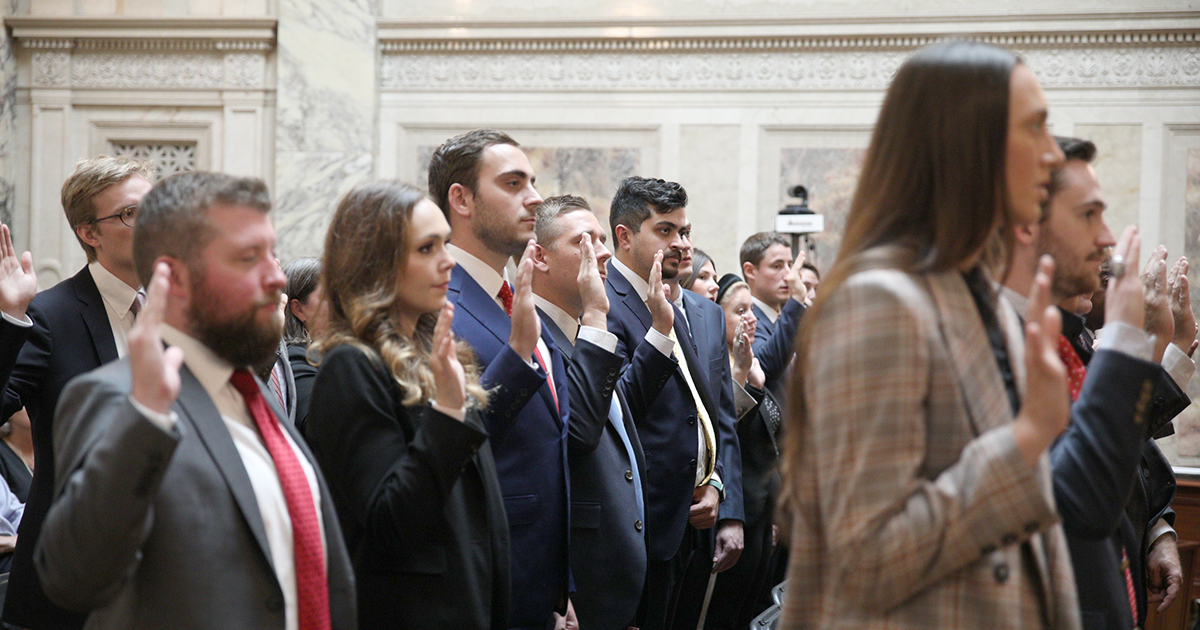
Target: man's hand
x=1124 y=300
x=1044 y=412
x=1181 y=307
x=18 y=284
x=796 y=288
x=155 y=371
x=8 y=543
x=591 y=287
x=1165 y=572
x=448 y=374
x=526 y=327
x=662 y=313
x=730 y=542
x=705 y=501
x=1159 y=321
x=569 y=622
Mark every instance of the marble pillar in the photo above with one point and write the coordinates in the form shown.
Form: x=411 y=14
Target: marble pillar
x=325 y=115
x=8 y=119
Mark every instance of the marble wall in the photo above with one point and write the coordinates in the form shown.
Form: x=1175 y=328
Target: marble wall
x=8 y=120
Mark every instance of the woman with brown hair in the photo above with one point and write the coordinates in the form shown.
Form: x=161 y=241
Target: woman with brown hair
x=915 y=472
x=393 y=424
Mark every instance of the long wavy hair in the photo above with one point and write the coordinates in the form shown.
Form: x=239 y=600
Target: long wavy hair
x=931 y=195
x=366 y=250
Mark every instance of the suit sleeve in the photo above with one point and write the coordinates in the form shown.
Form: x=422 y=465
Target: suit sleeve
x=728 y=449
x=1093 y=461
x=511 y=383
x=111 y=463
x=644 y=378
x=890 y=528
x=774 y=351
x=390 y=473
x=24 y=355
x=591 y=376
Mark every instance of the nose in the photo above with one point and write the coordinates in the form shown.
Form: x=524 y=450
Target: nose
x=533 y=198
x=275 y=278
x=446 y=261
x=602 y=253
x=1105 y=237
x=1054 y=157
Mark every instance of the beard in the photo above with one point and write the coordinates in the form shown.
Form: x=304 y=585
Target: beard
x=490 y=228
x=242 y=340
x=1072 y=277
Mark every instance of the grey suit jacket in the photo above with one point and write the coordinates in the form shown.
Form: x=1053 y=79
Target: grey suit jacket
x=155 y=529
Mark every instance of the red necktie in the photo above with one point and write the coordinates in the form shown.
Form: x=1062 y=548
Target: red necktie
x=312 y=587
x=1075 y=369
x=506 y=298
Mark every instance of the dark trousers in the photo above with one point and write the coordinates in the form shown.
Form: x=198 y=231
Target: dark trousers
x=660 y=597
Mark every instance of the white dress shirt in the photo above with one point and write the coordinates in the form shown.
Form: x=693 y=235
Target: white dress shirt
x=118 y=298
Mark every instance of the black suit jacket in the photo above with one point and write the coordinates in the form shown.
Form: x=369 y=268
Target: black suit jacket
x=70 y=335
x=668 y=429
x=608 y=537
x=303 y=375
x=774 y=342
x=417 y=496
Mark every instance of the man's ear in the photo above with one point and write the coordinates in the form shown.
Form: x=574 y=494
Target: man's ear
x=87 y=232
x=748 y=272
x=1026 y=235
x=461 y=200
x=179 y=279
x=623 y=237
x=539 y=259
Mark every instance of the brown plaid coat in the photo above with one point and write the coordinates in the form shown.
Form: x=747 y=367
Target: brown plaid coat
x=916 y=509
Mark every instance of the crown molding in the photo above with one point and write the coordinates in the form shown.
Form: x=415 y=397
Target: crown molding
x=760 y=34
x=137 y=34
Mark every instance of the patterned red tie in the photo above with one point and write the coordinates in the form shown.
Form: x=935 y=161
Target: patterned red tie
x=506 y=298
x=1076 y=372
x=1075 y=369
x=312 y=587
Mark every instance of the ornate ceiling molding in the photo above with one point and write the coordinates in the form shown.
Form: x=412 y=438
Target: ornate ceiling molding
x=1128 y=49
x=142 y=34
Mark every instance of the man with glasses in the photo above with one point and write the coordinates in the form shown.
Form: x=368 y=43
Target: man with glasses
x=74 y=327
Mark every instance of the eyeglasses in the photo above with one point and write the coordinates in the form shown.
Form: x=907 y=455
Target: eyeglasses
x=127 y=215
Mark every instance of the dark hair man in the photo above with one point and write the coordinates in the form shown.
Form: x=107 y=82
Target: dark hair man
x=780 y=299
x=71 y=328
x=689 y=433
x=1095 y=461
x=168 y=438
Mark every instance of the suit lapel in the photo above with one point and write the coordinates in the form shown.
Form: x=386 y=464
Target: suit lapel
x=202 y=415
x=629 y=297
x=556 y=333
x=698 y=330
x=479 y=305
x=95 y=317
x=970 y=351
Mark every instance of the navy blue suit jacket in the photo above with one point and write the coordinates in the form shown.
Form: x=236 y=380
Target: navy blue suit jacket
x=70 y=335
x=774 y=342
x=529 y=443
x=668 y=430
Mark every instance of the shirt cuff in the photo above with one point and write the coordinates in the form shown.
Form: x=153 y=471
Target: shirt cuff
x=660 y=341
x=26 y=323
x=1123 y=338
x=600 y=337
x=457 y=414
x=1161 y=528
x=164 y=421
x=1179 y=365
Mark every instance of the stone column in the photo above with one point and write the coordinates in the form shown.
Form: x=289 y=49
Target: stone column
x=325 y=115
x=8 y=119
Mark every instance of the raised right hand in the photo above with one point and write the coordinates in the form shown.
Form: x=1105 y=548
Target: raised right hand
x=662 y=313
x=155 y=371
x=1124 y=301
x=796 y=288
x=18 y=284
x=1159 y=321
x=448 y=374
x=1045 y=411
x=526 y=327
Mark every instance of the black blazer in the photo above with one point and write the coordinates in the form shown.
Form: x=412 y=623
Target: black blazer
x=418 y=499
x=608 y=536
x=773 y=344
x=70 y=335
x=303 y=375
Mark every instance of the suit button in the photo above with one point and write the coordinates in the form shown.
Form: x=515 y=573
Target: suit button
x=691 y=421
x=637 y=525
x=628 y=475
x=692 y=464
x=1009 y=539
x=1145 y=473
x=1000 y=572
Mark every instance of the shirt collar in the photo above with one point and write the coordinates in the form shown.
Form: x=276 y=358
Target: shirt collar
x=212 y=371
x=480 y=272
x=1020 y=303
x=639 y=284
x=767 y=309
x=569 y=325
x=118 y=295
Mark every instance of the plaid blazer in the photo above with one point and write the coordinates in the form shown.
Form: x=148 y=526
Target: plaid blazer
x=914 y=507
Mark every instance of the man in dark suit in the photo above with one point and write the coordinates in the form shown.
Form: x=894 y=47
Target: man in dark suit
x=779 y=302
x=483 y=182
x=608 y=544
x=170 y=438
x=688 y=435
x=75 y=326
x=1120 y=391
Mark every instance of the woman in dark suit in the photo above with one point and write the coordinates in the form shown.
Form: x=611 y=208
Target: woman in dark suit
x=393 y=425
x=304 y=314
